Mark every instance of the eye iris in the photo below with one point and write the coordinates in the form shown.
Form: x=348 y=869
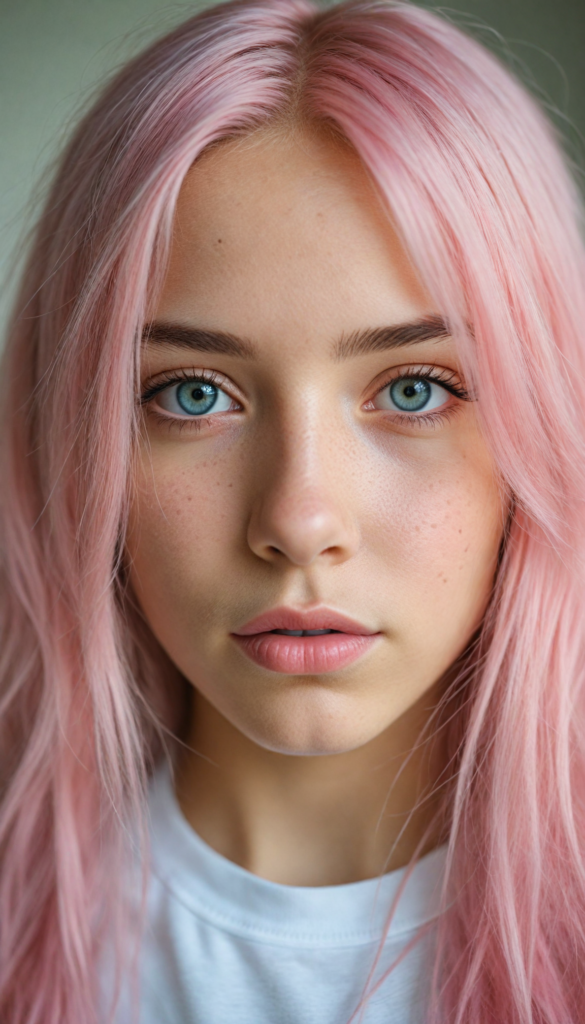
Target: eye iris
x=196 y=397
x=410 y=393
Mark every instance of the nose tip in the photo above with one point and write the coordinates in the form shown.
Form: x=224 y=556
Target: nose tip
x=301 y=529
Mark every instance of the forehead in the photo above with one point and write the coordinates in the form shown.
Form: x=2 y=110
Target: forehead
x=284 y=235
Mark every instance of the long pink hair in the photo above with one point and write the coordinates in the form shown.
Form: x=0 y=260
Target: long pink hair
x=475 y=180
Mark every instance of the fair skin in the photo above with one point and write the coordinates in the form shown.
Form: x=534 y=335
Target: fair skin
x=306 y=487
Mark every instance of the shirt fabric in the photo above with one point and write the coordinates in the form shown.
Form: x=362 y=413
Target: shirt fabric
x=223 y=946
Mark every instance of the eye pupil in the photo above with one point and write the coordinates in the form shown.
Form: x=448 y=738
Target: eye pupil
x=410 y=393
x=196 y=397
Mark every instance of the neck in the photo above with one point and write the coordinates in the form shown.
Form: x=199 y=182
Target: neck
x=323 y=820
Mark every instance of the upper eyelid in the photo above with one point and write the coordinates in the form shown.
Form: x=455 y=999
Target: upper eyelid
x=156 y=383
x=193 y=371
x=420 y=369
x=454 y=384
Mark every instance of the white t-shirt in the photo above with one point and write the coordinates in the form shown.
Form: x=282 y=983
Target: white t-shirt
x=223 y=946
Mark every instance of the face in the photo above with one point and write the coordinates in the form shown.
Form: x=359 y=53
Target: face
x=310 y=458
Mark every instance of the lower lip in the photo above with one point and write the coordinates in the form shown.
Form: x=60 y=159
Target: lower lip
x=305 y=655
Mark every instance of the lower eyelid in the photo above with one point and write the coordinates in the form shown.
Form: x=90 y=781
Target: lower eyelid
x=228 y=403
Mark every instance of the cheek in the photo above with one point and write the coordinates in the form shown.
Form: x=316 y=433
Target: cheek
x=435 y=529
x=186 y=523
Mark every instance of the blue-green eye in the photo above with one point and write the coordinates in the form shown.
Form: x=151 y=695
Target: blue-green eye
x=193 y=398
x=411 y=394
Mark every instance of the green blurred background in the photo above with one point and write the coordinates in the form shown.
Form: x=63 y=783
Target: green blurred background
x=53 y=53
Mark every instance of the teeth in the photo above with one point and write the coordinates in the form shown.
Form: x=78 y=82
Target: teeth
x=304 y=632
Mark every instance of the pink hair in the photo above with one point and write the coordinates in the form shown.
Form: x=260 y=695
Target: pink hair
x=475 y=181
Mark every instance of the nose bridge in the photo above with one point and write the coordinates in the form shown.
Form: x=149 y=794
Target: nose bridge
x=301 y=511
x=303 y=462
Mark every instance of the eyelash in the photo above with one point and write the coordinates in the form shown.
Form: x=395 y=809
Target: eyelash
x=447 y=379
x=167 y=379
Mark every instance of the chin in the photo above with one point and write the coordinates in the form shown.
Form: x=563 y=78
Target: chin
x=312 y=728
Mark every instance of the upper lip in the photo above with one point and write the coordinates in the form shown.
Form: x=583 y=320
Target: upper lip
x=292 y=618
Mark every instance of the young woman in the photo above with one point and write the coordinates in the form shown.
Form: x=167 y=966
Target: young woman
x=293 y=453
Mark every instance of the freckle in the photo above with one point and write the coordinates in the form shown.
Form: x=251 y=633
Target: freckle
x=219 y=241
x=460 y=531
x=466 y=550
x=433 y=526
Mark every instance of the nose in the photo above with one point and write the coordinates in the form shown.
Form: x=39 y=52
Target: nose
x=302 y=510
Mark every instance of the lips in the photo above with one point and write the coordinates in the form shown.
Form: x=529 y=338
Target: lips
x=304 y=642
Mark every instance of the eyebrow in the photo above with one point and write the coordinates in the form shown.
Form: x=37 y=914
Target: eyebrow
x=380 y=339
x=361 y=342
x=196 y=339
